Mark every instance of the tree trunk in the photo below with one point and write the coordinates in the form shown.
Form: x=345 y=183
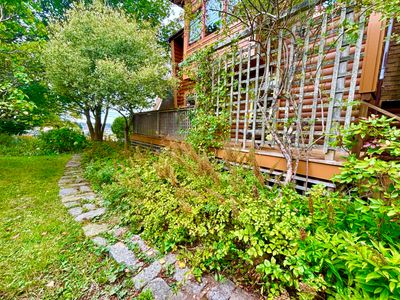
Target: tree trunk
x=104 y=121
x=98 y=133
x=126 y=133
x=289 y=172
x=89 y=124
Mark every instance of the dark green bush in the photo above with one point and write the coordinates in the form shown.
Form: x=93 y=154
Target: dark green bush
x=62 y=140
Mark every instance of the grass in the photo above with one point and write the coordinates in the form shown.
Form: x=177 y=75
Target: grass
x=43 y=252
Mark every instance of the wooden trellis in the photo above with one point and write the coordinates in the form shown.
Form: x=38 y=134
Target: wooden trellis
x=324 y=84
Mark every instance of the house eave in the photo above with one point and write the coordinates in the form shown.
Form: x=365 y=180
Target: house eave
x=178 y=2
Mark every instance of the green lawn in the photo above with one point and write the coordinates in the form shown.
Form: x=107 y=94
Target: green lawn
x=43 y=252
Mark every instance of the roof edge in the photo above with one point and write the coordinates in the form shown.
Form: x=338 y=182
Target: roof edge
x=175 y=35
x=178 y=2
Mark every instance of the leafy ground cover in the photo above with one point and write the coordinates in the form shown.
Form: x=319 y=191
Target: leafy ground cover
x=223 y=219
x=43 y=252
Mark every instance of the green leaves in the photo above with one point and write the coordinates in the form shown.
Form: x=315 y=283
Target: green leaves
x=99 y=57
x=209 y=129
x=341 y=243
x=378 y=137
x=62 y=140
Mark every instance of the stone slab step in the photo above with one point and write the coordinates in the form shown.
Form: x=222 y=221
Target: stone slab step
x=146 y=275
x=94 y=229
x=91 y=214
x=122 y=254
x=160 y=289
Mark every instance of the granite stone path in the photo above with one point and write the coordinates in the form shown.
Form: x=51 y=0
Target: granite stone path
x=164 y=275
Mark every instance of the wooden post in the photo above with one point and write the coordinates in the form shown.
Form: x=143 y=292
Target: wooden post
x=318 y=77
x=231 y=93
x=277 y=78
x=218 y=83
x=246 y=109
x=332 y=96
x=302 y=80
x=255 y=100
x=266 y=90
x=239 y=96
x=354 y=72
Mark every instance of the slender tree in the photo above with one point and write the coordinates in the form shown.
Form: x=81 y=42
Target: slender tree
x=99 y=57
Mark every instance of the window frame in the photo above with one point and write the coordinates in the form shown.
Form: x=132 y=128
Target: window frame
x=197 y=19
x=217 y=24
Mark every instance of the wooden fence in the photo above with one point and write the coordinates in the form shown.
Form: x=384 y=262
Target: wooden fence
x=168 y=123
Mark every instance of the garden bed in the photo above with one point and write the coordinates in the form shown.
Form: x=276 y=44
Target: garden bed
x=270 y=240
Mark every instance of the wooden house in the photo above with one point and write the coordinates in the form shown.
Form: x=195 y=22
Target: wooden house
x=339 y=83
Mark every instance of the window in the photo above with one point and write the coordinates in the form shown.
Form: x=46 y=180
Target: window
x=190 y=99
x=231 y=5
x=213 y=15
x=195 y=28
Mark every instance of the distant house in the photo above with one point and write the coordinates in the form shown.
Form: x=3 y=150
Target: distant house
x=367 y=70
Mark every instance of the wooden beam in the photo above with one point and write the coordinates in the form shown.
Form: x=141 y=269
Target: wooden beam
x=372 y=54
x=320 y=170
x=316 y=169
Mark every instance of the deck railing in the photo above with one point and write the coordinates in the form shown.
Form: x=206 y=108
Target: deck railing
x=166 y=123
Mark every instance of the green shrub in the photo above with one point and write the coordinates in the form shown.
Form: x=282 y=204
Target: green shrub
x=340 y=244
x=180 y=199
x=102 y=150
x=118 y=127
x=207 y=130
x=62 y=140
x=19 y=145
x=6 y=139
x=100 y=172
x=355 y=230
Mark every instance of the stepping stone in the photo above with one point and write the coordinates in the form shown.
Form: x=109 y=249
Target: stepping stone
x=71 y=204
x=67 y=191
x=136 y=239
x=72 y=173
x=194 y=289
x=90 y=214
x=75 y=211
x=221 y=291
x=122 y=254
x=80 y=179
x=72 y=164
x=85 y=188
x=160 y=289
x=169 y=259
x=181 y=274
x=89 y=206
x=146 y=275
x=88 y=196
x=119 y=231
x=94 y=229
x=71 y=198
x=240 y=294
x=99 y=241
x=77 y=184
x=65 y=180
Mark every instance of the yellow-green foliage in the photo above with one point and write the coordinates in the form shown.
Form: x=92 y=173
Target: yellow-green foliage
x=342 y=244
